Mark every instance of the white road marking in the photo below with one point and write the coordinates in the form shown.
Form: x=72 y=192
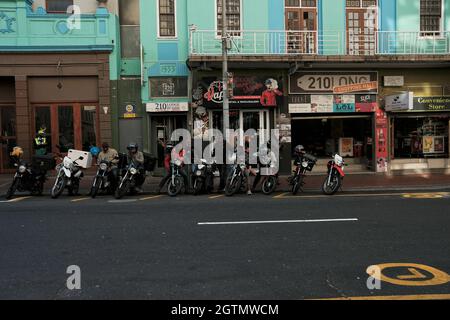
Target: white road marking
x=276 y=221
x=123 y=201
x=15 y=200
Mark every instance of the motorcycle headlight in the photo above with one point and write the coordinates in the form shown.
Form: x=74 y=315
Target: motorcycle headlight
x=133 y=171
x=67 y=163
x=242 y=165
x=198 y=173
x=22 y=169
x=103 y=166
x=177 y=162
x=305 y=164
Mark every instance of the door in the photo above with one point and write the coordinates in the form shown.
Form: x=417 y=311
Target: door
x=361 y=31
x=7 y=136
x=303 y=24
x=259 y=120
x=68 y=126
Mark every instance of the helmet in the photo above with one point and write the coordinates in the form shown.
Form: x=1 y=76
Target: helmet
x=17 y=152
x=94 y=151
x=132 y=146
x=299 y=149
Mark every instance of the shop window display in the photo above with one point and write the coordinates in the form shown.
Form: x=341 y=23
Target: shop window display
x=421 y=137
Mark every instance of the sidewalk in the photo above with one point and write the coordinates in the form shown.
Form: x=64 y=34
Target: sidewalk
x=352 y=183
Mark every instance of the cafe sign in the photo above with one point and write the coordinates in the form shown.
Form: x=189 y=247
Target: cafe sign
x=432 y=103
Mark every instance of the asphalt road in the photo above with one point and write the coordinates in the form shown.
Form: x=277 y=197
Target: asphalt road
x=212 y=247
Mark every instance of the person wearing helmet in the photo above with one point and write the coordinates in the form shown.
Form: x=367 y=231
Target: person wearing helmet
x=17 y=152
x=299 y=153
x=137 y=157
x=110 y=155
x=40 y=141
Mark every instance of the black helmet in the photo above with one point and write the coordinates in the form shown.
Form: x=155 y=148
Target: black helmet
x=299 y=149
x=132 y=146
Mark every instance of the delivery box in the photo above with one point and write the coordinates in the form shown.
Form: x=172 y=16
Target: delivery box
x=82 y=158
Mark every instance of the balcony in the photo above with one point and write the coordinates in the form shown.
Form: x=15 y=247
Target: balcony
x=373 y=45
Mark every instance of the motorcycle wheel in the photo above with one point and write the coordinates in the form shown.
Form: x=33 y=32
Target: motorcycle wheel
x=73 y=190
x=122 y=191
x=95 y=187
x=58 y=188
x=329 y=190
x=38 y=190
x=297 y=184
x=174 y=188
x=198 y=185
x=12 y=189
x=233 y=185
x=269 y=185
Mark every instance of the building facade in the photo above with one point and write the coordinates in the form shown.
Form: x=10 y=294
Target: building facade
x=55 y=66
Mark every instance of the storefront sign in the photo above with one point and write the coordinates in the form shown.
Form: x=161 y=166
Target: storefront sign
x=167 y=107
x=394 y=81
x=431 y=104
x=248 y=91
x=399 y=102
x=130 y=111
x=326 y=82
x=381 y=139
x=360 y=87
x=168 y=87
x=332 y=103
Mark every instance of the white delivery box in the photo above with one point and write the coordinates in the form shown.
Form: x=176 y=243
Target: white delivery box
x=83 y=158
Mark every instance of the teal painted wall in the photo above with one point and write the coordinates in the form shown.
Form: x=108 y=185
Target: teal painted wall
x=332 y=20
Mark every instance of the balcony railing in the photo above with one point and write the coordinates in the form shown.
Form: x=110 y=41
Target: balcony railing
x=358 y=43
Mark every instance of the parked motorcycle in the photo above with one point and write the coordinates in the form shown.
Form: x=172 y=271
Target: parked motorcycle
x=303 y=164
x=68 y=175
x=104 y=180
x=237 y=180
x=176 y=182
x=128 y=180
x=335 y=175
x=30 y=177
x=204 y=177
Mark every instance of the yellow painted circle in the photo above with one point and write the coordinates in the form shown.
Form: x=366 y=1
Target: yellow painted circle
x=439 y=277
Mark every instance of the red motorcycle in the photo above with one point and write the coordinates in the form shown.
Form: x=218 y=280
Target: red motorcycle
x=335 y=175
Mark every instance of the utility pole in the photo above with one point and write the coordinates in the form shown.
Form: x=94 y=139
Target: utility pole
x=226 y=103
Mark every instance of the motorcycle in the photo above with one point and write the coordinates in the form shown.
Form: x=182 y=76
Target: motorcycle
x=176 y=182
x=335 y=175
x=204 y=177
x=29 y=178
x=68 y=175
x=303 y=164
x=237 y=180
x=104 y=179
x=127 y=180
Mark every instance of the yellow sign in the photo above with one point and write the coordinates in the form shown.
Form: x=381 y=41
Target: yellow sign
x=411 y=274
x=366 y=86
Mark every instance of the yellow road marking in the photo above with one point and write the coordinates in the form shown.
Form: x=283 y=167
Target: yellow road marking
x=151 y=198
x=439 y=277
x=404 y=297
x=436 y=195
x=19 y=199
x=431 y=195
x=80 y=199
x=215 y=197
x=415 y=274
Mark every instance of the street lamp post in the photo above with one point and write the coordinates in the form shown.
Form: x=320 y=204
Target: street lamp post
x=226 y=104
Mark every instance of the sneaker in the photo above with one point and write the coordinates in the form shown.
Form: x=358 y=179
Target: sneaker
x=249 y=193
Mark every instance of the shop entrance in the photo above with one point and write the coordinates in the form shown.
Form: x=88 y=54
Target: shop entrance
x=350 y=136
x=69 y=126
x=162 y=128
x=7 y=136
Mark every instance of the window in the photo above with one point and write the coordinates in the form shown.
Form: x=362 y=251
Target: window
x=233 y=16
x=302 y=3
x=58 y=6
x=430 y=16
x=361 y=22
x=129 y=28
x=361 y=4
x=301 y=19
x=167 y=27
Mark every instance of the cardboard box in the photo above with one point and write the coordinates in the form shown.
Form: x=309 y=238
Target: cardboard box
x=82 y=158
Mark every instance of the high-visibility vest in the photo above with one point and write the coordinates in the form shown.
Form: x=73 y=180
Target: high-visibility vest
x=40 y=141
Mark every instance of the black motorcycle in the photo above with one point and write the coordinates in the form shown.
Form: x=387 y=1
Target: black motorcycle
x=30 y=177
x=237 y=180
x=128 y=180
x=104 y=180
x=176 y=182
x=303 y=164
x=270 y=179
x=204 y=177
